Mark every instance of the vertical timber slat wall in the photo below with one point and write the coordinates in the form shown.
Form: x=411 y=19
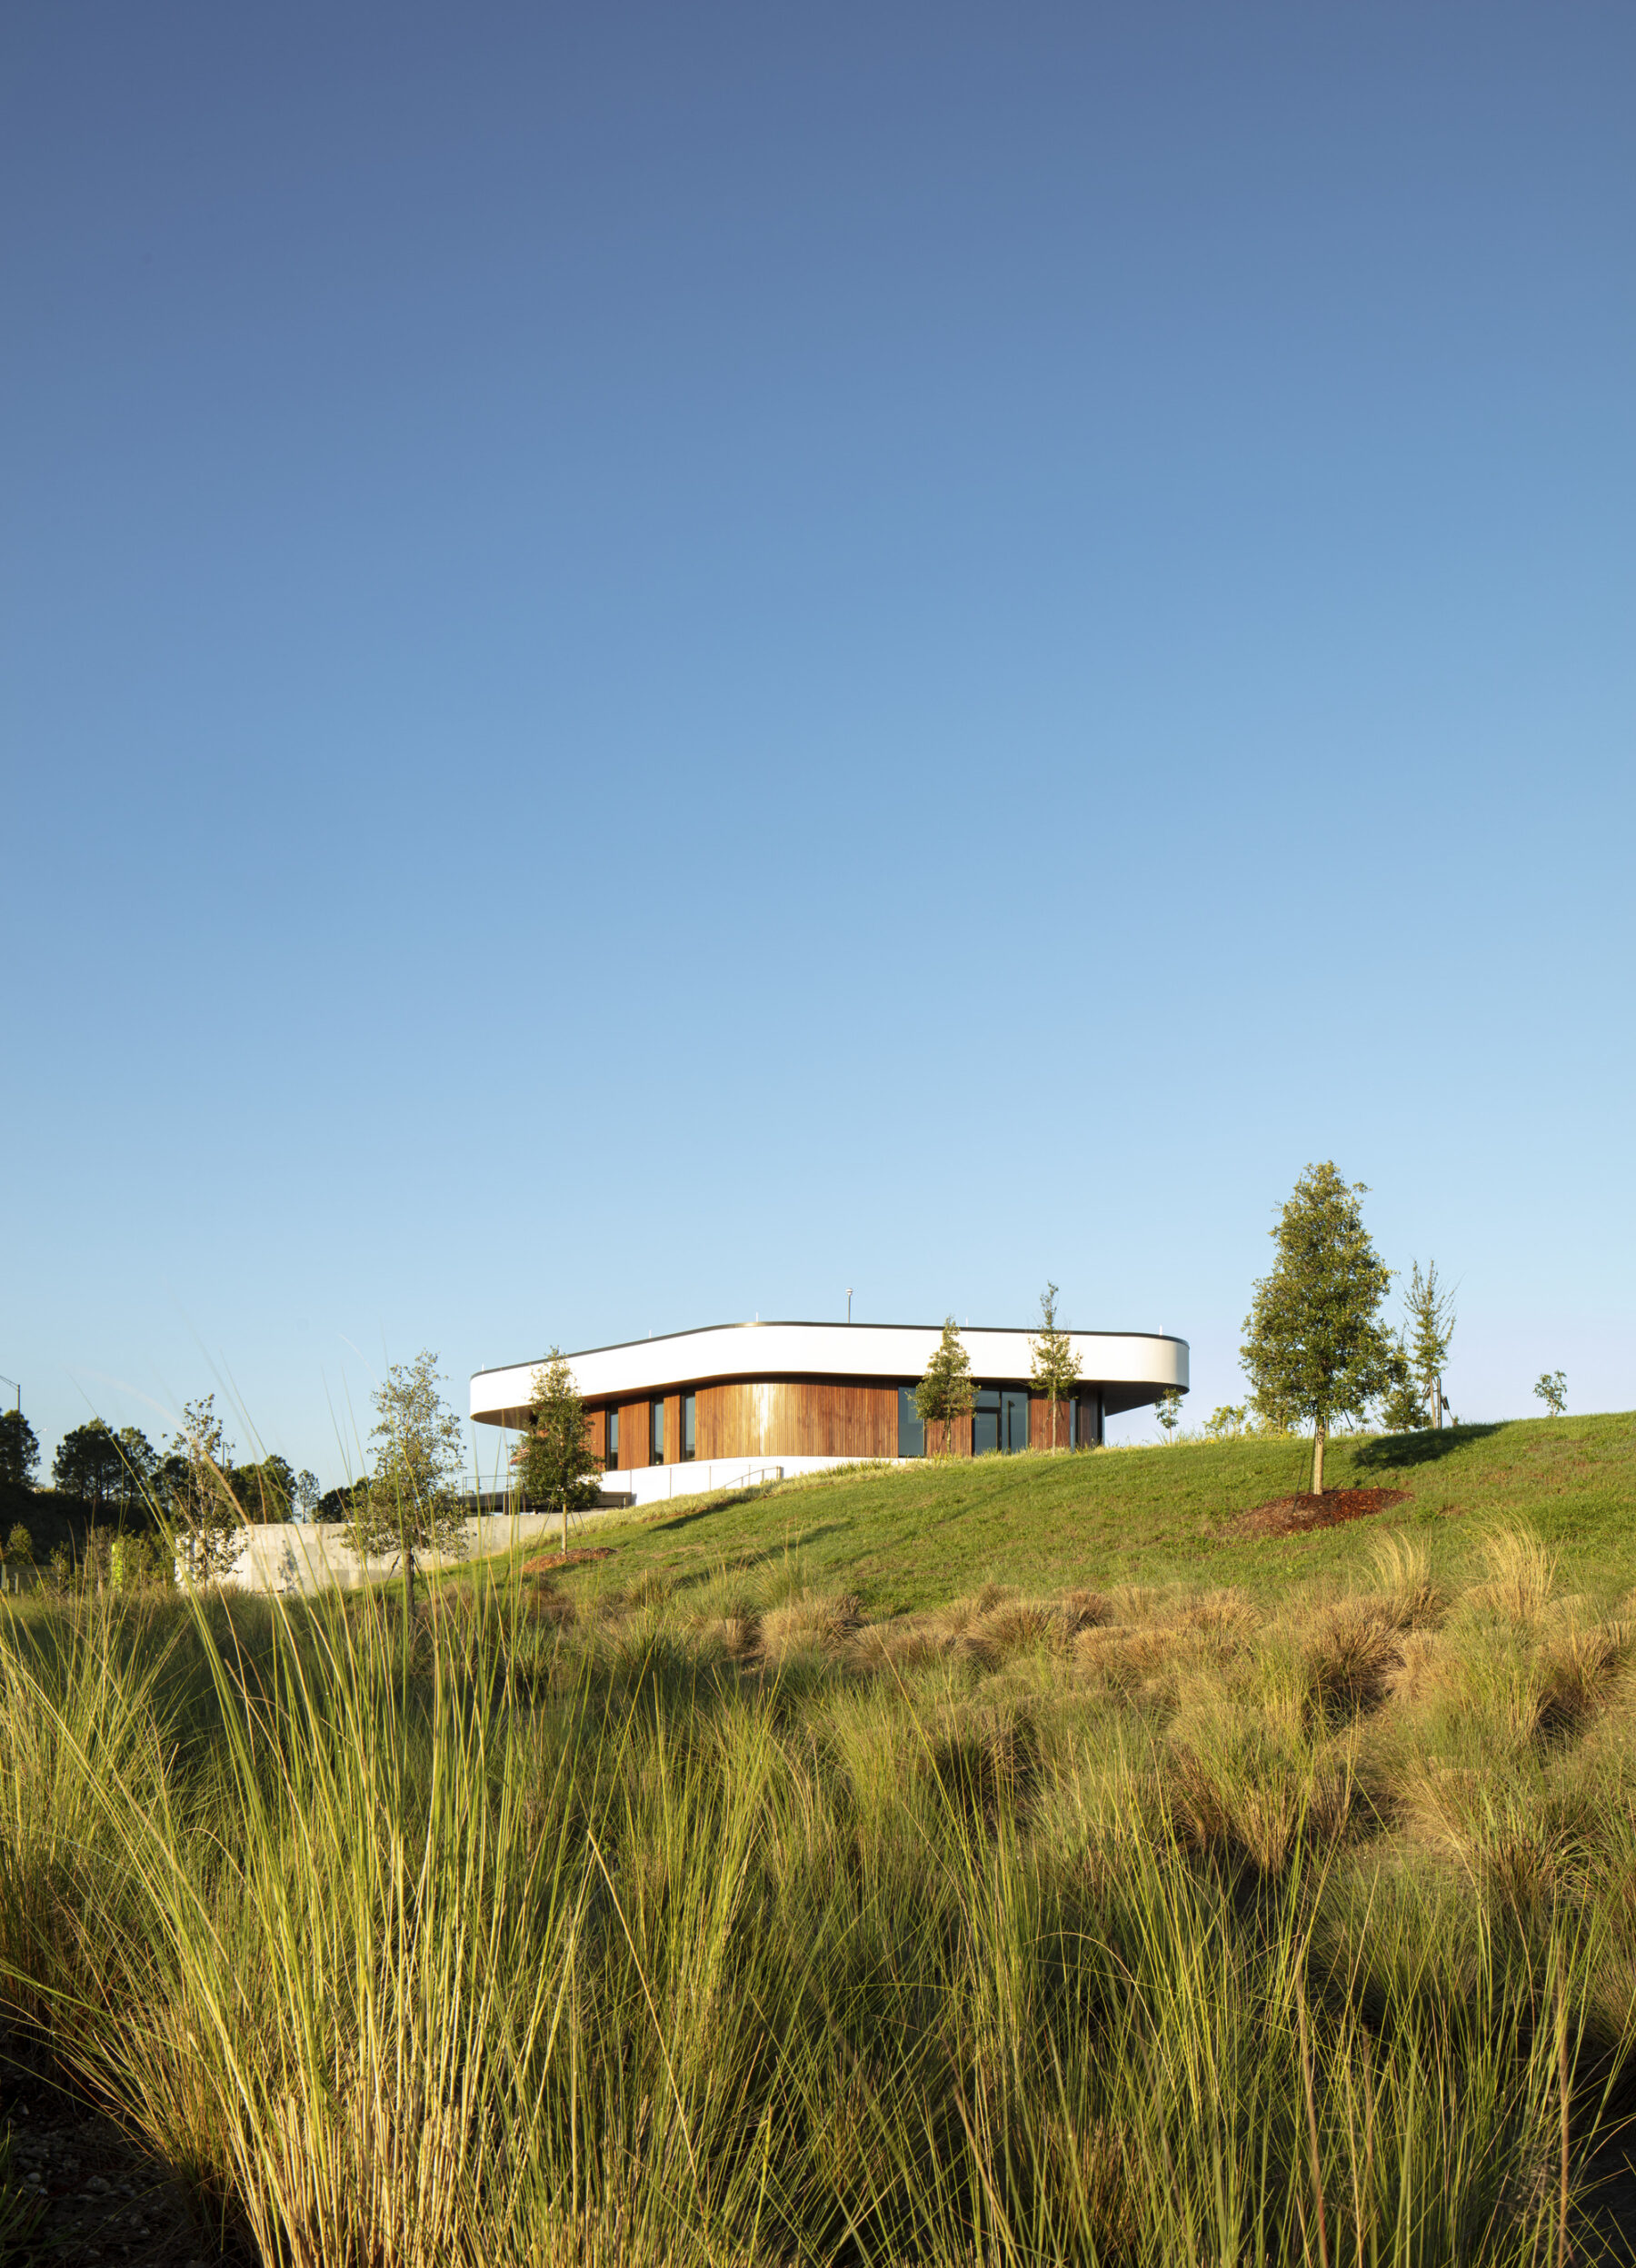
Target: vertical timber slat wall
x=775 y=1417
x=632 y=1434
x=1038 y=1421
x=796 y=1417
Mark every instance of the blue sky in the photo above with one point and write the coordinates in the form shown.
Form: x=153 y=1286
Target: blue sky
x=656 y=662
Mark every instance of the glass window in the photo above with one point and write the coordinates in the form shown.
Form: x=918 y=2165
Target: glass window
x=912 y=1431
x=611 y=1454
x=1073 y=1411
x=1013 y=1422
x=690 y=1427
x=985 y=1421
x=656 y=1433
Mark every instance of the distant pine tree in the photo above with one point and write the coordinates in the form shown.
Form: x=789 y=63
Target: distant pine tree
x=1432 y=1328
x=1403 y=1409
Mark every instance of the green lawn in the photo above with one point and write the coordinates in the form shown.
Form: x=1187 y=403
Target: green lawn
x=908 y=1537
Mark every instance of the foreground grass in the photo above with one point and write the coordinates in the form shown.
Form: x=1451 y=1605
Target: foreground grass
x=911 y=1537
x=722 y=1920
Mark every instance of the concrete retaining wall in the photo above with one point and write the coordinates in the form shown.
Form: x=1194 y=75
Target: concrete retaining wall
x=290 y=1556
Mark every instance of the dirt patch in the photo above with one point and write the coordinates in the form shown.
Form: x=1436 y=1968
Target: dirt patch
x=554 y=1562
x=80 y=2189
x=1298 y=1515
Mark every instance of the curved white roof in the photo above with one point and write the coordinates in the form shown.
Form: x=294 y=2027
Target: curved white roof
x=1138 y=1359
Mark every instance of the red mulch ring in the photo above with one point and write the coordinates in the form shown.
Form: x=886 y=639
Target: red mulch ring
x=550 y=1562
x=1298 y=1516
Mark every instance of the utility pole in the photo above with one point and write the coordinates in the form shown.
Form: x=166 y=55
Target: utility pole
x=18 y=1391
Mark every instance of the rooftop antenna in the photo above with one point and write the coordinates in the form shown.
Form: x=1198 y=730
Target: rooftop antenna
x=849 y=1303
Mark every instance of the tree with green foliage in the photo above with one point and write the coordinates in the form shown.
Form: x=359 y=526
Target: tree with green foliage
x=307 y=1492
x=264 y=1491
x=554 y=1463
x=193 y=1480
x=1403 y=1403
x=1227 y=1422
x=1316 y=1350
x=410 y=1505
x=342 y=1507
x=1431 y=1312
x=944 y=1393
x=1167 y=1409
x=138 y=1562
x=19 y=1546
x=1552 y=1390
x=19 y=1452
x=138 y=1469
x=88 y=1465
x=1056 y=1368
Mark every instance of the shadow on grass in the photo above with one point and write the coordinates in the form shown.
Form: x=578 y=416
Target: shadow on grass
x=715 y=1506
x=1401 y=1452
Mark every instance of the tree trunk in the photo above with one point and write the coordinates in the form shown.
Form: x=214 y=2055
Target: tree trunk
x=1319 y=1433
x=409 y=1581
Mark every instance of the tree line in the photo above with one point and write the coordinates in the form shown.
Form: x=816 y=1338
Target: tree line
x=197 y=1490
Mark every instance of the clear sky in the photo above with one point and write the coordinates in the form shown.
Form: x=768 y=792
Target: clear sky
x=657 y=660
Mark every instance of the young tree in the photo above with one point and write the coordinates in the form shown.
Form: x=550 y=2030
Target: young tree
x=1227 y=1423
x=1431 y=1312
x=1314 y=1349
x=1552 y=1390
x=1403 y=1407
x=19 y=1546
x=1168 y=1411
x=945 y=1392
x=193 y=1481
x=410 y=1505
x=307 y=1492
x=19 y=1451
x=1055 y=1365
x=554 y=1463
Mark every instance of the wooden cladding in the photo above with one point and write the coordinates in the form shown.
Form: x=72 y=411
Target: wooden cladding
x=776 y=1418
x=1040 y=1423
x=797 y=1418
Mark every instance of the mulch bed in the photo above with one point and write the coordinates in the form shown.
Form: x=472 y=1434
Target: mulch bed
x=1299 y=1514
x=552 y=1562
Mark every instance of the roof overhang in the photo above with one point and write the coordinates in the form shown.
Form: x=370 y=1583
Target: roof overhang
x=1138 y=1365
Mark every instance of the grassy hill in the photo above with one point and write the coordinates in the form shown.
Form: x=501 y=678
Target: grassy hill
x=1251 y=1902
x=908 y=1537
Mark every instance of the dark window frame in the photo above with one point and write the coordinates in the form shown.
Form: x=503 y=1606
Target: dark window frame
x=611 y=1441
x=657 y=1429
x=690 y=1427
x=1013 y=1399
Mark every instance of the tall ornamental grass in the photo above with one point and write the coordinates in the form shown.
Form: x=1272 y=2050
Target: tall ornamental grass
x=633 y=1934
